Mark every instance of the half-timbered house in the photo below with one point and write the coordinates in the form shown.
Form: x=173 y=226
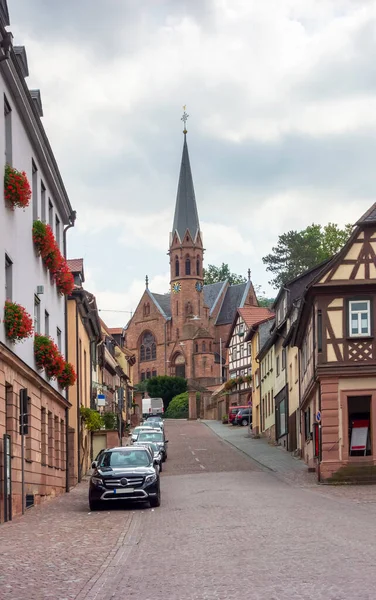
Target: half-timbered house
x=336 y=335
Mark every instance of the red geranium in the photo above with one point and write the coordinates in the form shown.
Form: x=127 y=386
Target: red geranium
x=68 y=376
x=64 y=279
x=18 y=323
x=47 y=356
x=17 y=189
x=55 y=262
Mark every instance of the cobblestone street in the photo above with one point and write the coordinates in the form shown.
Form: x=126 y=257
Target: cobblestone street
x=226 y=530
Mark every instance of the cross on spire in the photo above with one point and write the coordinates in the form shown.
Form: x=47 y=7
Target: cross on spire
x=147 y=282
x=184 y=119
x=249 y=274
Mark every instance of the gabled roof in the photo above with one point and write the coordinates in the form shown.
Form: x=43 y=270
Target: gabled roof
x=116 y=330
x=186 y=215
x=4 y=13
x=202 y=333
x=212 y=293
x=266 y=338
x=254 y=314
x=369 y=217
x=255 y=327
x=76 y=265
x=234 y=299
x=162 y=302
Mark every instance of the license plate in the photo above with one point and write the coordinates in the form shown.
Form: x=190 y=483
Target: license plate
x=127 y=491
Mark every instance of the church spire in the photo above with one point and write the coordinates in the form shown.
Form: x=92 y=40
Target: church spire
x=186 y=215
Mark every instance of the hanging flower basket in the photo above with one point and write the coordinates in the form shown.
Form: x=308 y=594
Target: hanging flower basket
x=47 y=356
x=17 y=191
x=18 y=323
x=55 y=262
x=67 y=377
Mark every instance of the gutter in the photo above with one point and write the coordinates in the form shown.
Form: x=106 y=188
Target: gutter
x=78 y=388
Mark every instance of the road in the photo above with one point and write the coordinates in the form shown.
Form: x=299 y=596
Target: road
x=226 y=530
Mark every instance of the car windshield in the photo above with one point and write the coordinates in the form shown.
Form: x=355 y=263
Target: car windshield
x=125 y=458
x=145 y=436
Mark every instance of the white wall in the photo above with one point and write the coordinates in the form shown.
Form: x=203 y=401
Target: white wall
x=16 y=241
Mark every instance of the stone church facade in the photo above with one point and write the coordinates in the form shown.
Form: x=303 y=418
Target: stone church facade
x=184 y=332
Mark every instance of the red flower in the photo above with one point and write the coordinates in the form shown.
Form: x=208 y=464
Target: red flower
x=55 y=262
x=17 y=191
x=68 y=376
x=18 y=323
x=47 y=356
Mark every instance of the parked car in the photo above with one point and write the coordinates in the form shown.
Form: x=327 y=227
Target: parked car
x=243 y=416
x=155 y=422
x=137 y=430
x=124 y=474
x=233 y=412
x=157 y=437
x=154 y=449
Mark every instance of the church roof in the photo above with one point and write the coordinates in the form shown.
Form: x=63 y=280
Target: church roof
x=212 y=293
x=234 y=299
x=186 y=215
x=163 y=303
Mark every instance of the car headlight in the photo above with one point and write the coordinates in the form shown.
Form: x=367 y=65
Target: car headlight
x=97 y=481
x=151 y=478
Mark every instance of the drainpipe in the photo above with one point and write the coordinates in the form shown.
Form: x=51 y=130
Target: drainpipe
x=78 y=388
x=72 y=220
x=165 y=348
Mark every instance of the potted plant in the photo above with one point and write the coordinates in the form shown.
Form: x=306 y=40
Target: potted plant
x=18 y=323
x=55 y=262
x=17 y=191
x=47 y=356
x=225 y=419
x=67 y=377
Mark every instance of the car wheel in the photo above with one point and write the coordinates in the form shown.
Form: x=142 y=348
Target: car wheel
x=94 y=505
x=244 y=422
x=154 y=502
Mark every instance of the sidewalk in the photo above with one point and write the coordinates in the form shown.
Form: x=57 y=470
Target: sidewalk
x=271 y=458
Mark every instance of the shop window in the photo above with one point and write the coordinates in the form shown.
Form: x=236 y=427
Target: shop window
x=359 y=425
x=359 y=318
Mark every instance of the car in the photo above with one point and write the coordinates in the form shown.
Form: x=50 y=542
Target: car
x=137 y=430
x=155 y=423
x=124 y=474
x=155 y=450
x=233 y=411
x=243 y=416
x=158 y=438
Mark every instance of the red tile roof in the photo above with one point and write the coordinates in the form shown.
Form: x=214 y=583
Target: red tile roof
x=253 y=314
x=115 y=330
x=76 y=265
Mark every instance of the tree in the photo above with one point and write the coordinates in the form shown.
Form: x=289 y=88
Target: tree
x=297 y=251
x=178 y=407
x=215 y=274
x=166 y=387
x=261 y=297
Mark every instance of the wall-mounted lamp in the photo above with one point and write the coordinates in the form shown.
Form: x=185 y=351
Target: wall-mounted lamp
x=6 y=44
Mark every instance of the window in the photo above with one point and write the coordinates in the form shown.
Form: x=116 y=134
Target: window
x=277 y=365
x=210 y=347
x=296 y=368
x=36 y=314
x=241 y=351
x=203 y=346
x=283 y=359
x=196 y=347
x=57 y=230
x=177 y=308
x=57 y=443
x=290 y=375
x=62 y=444
x=177 y=267
x=187 y=266
x=50 y=439
x=319 y=331
x=148 y=348
x=34 y=190
x=43 y=201
x=198 y=266
x=268 y=405
x=307 y=424
x=46 y=323
x=359 y=318
x=8 y=278
x=154 y=373
x=8 y=132
x=58 y=338
x=142 y=375
x=281 y=418
x=147 y=374
x=44 y=439
x=257 y=378
x=50 y=214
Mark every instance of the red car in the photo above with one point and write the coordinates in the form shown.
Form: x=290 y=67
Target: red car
x=233 y=411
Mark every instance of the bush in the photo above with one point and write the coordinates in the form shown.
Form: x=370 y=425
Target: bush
x=225 y=419
x=178 y=407
x=166 y=387
x=110 y=420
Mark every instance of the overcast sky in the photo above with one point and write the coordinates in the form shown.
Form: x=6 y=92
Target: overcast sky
x=282 y=102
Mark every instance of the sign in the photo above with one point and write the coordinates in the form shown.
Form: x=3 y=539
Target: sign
x=101 y=400
x=249 y=402
x=318 y=416
x=359 y=436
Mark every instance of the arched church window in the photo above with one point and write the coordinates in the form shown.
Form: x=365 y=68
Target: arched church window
x=142 y=375
x=210 y=346
x=203 y=346
x=154 y=373
x=187 y=266
x=197 y=266
x=148 y=375
x=176 y=267
x=196 y=347
x=148 y=348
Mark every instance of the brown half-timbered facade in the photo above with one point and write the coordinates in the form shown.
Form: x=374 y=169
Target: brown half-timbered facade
x=336 y=335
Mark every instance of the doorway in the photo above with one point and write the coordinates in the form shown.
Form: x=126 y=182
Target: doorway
x=359 y=417
x=180 y=366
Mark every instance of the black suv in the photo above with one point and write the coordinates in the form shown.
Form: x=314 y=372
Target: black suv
x=243 y=416
x=125 y=473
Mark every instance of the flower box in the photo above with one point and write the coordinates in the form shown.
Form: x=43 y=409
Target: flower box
x=47 y=356
x=55 y=262
x=17 y=191
x=67 y=377
x=18 y=323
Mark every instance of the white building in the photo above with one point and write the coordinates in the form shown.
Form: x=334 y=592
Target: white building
x=25 y=280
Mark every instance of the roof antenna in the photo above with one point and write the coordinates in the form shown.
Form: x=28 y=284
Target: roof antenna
x=249 y=274
x=184 y=119
x=147 y=282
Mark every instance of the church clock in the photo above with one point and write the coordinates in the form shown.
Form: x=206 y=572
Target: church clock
x=176 y=287
x=199 y=286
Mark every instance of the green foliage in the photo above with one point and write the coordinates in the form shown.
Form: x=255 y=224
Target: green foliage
x=215 y=274
x=178 y=407
x=261 y=298
x=225 y=419
x=92 y=419
x=142 y=386
x=166 y=387
x=297 y=251
x=110 y=420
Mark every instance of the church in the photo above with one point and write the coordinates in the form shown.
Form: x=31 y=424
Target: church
x=184 y=332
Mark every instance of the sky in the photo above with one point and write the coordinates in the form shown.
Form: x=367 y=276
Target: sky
x=281 y=97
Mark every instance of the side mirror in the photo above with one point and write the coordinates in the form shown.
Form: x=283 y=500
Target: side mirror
x=166 y=441
x=94 y=464
x=155 y=462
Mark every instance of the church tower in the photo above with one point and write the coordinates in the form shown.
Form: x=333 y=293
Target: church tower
x=186 y=252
